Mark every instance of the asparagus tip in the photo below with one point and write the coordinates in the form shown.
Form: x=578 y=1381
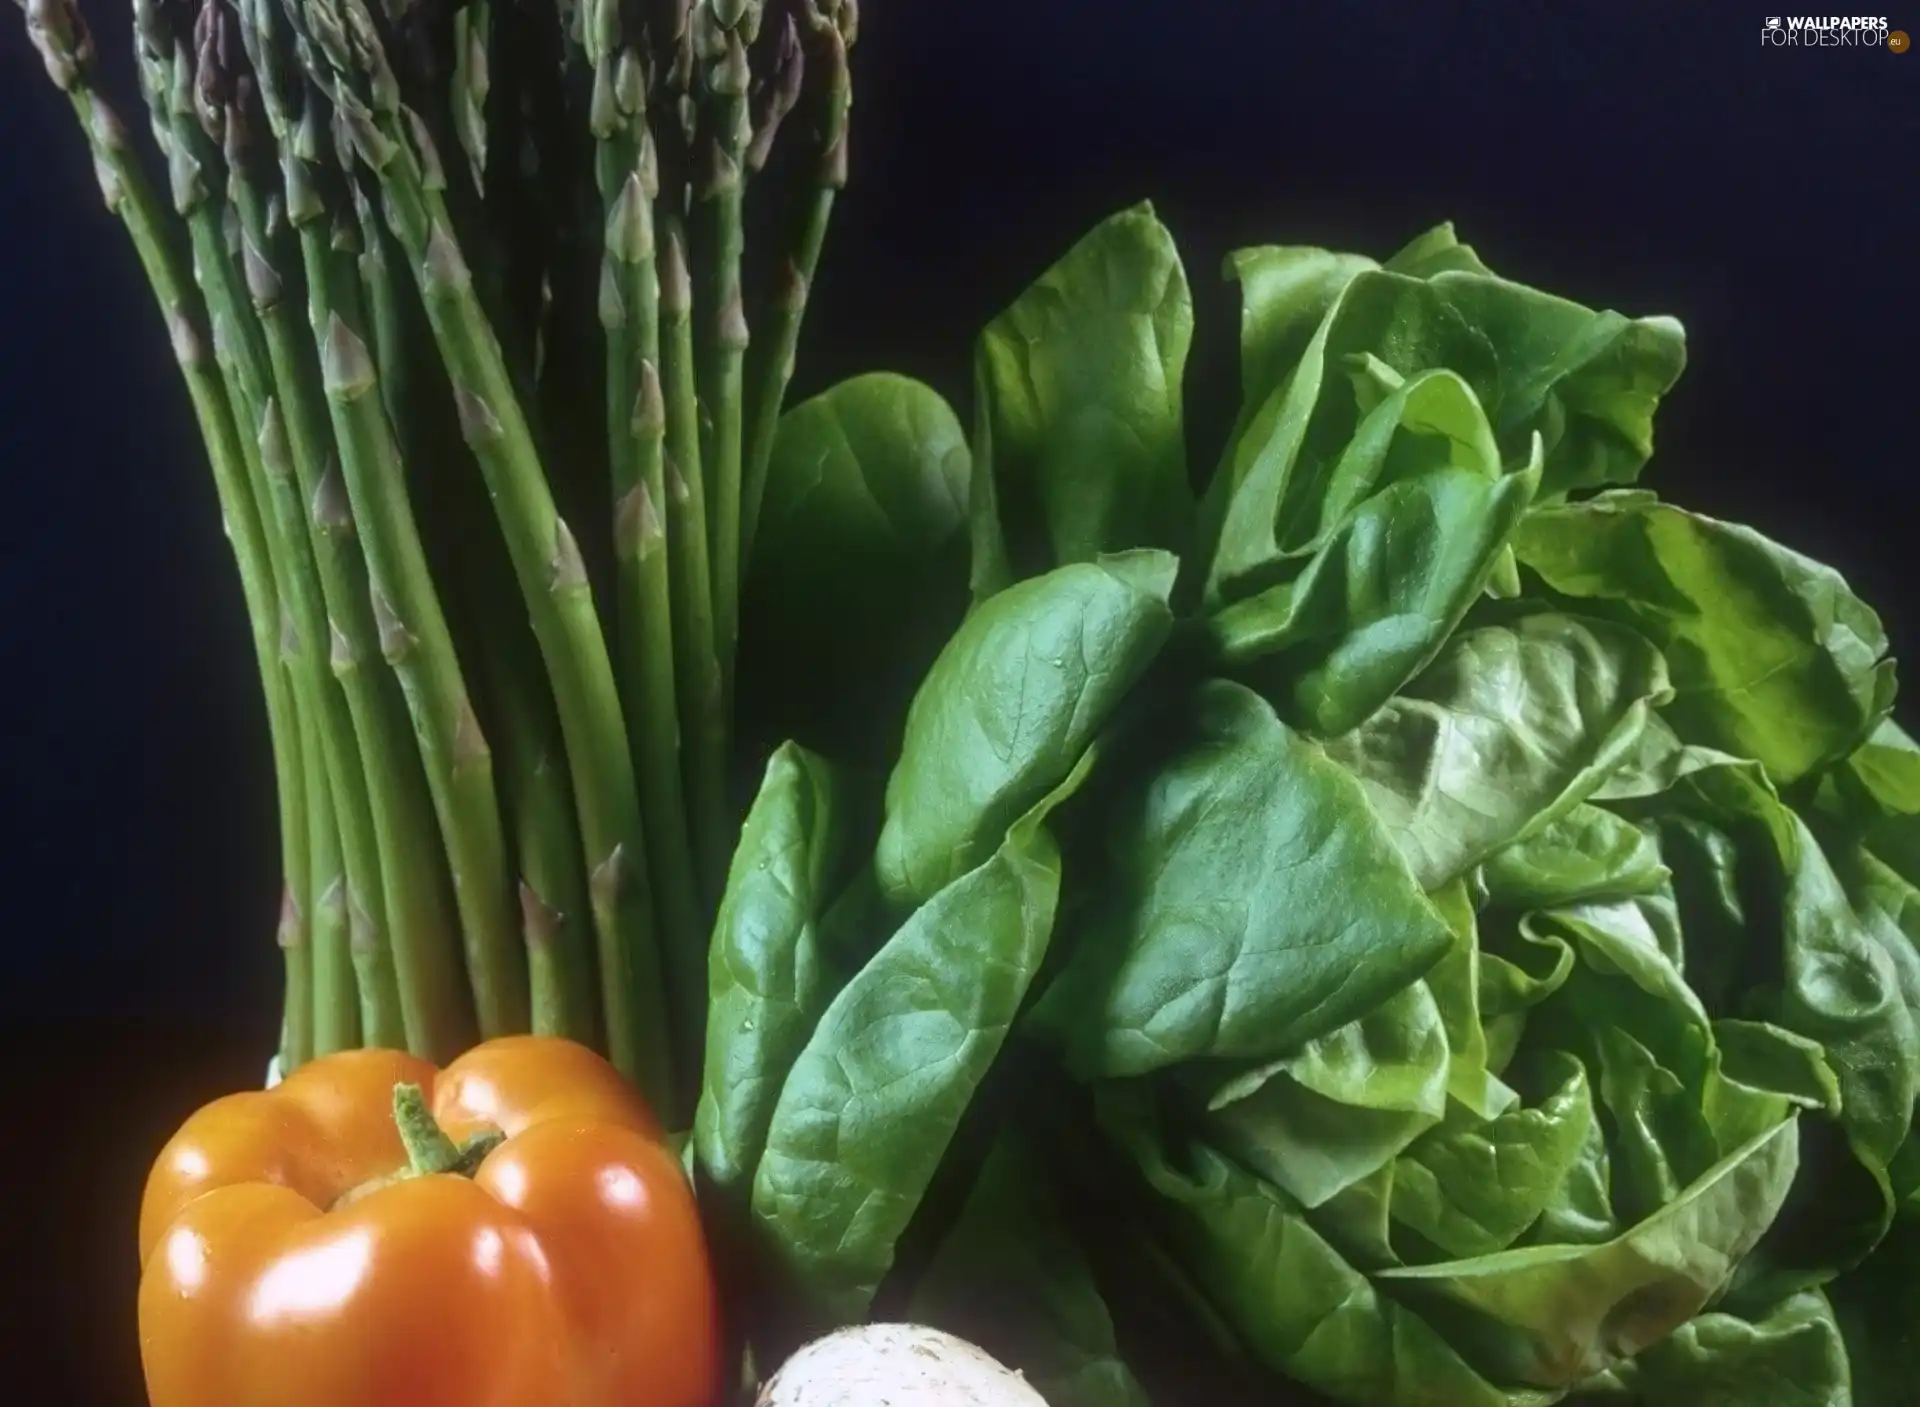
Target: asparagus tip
x=62 y=39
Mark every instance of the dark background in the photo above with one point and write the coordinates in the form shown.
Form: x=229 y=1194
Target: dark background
x=1651 y=158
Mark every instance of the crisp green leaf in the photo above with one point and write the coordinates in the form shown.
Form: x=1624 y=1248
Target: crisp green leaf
x=1792 y=1357
x=1589 y=853
x=1551 y=1316
x=1253 y=903
x=859 y=567
x=767 y=980
x=1319 y=1121
x=1081 y=379
x=1520 y=967
x=1437 y=251
x=1873 y=797
x=1772 y=657
x=1842 y=981
x=1472 y=1186
x=1510 y=728
x=874 y=1099
x=1586 y=383
x=1657 y=760
x=1376 y=604
x=1630 y=1016
x=1007 y=710
x=1878 y=1307
x=1456 y=983
x=1285 y=294
x=1580 y=1210
x=1293 y=1299
x=1010 y=1278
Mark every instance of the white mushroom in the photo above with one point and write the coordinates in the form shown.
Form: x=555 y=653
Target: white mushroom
x=895 y=1365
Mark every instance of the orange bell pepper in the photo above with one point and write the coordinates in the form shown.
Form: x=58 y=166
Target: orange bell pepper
x=512 y=1231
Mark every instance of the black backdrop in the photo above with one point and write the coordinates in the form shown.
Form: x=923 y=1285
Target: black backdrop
x=1652 y=158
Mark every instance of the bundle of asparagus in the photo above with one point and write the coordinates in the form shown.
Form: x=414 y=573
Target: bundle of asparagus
x=490 y=497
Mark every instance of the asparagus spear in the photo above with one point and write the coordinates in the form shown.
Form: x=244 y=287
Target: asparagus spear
x=317 y=867
x=415 y=890
x=833 y=26
x=628 y=177
x=344 y=851
x=484 y=611
x=350 y=59
x=66 y=49
x=698 y=675
x=723 y=31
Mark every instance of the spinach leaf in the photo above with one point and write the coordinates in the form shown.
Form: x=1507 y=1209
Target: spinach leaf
x=1511 y=727
x=1772 y=657
x=1009 y=708
x=1010 y=1278
x=874 y=1099
x=1080 y=381
x=859 y=567
x=1589 y=853
x=1252 y=903
x=1791 y=1357
x=1551 y=1316
x=1376 y=604
x=767 y=978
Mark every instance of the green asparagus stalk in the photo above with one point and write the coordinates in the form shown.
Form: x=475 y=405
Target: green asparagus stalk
x=414 y=886
x=723 y=31
x=67 y=53
x=233 y=251
x=487 y=622
x=336 y=1018
x=698 y=679
x=397 y=150
x=833 y=26
x=166 y=83
x=628 y=178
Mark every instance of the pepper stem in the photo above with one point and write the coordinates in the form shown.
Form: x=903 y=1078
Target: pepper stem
x=429 y=1150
